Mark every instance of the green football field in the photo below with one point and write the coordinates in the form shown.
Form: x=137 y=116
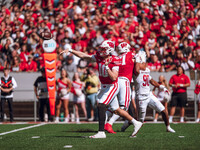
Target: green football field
x=72 y=136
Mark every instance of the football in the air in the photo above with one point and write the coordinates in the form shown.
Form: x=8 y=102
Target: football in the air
x=46 y=35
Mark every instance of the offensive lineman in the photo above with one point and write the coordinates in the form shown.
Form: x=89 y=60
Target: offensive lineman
x=144 y=97
x=108 y=75
x=124 y=80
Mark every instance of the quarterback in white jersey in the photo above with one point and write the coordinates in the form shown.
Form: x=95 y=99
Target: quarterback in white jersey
x=144 y=96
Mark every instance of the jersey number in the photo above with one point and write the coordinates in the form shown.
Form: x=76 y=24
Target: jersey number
x=123 y=60
x=102 y=71
x=146 y=80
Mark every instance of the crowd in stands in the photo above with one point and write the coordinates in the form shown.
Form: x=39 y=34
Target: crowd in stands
x=168 y=30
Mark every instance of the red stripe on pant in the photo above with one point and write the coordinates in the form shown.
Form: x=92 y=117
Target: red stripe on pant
x=126 y=94
x=108 y=99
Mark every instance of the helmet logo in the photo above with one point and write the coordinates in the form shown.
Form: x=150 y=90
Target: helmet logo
x=111 y=44
x=123 y=45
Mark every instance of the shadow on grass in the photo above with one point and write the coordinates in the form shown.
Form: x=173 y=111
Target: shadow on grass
x=71 y=137
x=82 y=131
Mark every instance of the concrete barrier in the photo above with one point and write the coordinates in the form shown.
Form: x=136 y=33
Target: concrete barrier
x=25 y=81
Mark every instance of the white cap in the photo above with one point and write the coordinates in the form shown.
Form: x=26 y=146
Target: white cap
x=60 y=25
x=152 y=52
x=28 y=4
x=46 y=17
x=190 y=37
x=137 y=46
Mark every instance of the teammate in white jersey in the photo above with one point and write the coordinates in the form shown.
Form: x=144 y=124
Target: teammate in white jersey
x=144 y=96
x=108 y=75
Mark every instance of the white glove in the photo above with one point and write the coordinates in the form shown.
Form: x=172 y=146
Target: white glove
x=166 y=91
x=167 y=96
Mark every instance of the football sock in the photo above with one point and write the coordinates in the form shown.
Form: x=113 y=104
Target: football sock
x=113 y=119
x=102 y=116
x=182 y=119
x=170 y=118
x=133 y=121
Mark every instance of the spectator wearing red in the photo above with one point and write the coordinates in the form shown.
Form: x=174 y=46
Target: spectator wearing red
x=129 y=5
x=1 y=67
x=31 y=64
x=191 y=43
x=179 y=83
x=189 y=5
x=191 y=20
x=167 y=28
x=197 y=63
x=24 y=54
x=156 y=23
x=146 y=31
x=70 y=23
x=79 y=44
x=172 y=20
x=184 y=30
x=155 y=64
x=17 y=66
x=196 y=91
x=175 y=39
x=61 y=33
x=132 y=24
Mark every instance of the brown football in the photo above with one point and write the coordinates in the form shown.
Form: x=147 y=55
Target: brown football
x=46 y=35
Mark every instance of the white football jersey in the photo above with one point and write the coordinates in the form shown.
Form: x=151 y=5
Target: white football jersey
x=142 y=85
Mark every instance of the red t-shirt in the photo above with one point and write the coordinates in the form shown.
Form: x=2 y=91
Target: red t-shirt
x=181 y=79
x=154 y=66
x=197 y=88
x=155 y=25
x=32 y=66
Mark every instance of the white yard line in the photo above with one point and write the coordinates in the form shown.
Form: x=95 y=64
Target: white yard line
x=20 y=129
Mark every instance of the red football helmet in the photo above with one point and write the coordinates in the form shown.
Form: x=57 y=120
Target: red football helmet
x=106 y=48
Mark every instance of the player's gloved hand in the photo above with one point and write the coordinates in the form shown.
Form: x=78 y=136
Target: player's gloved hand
x=167 y=96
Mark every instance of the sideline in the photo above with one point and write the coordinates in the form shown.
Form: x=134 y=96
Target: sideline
x=20 y=129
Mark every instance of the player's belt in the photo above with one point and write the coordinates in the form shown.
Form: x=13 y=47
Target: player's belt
x=123 y=78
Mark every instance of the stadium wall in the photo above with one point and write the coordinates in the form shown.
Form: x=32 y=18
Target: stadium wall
x=25 y=81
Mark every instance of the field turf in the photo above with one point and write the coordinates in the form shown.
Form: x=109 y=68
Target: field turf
x=57 y=136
